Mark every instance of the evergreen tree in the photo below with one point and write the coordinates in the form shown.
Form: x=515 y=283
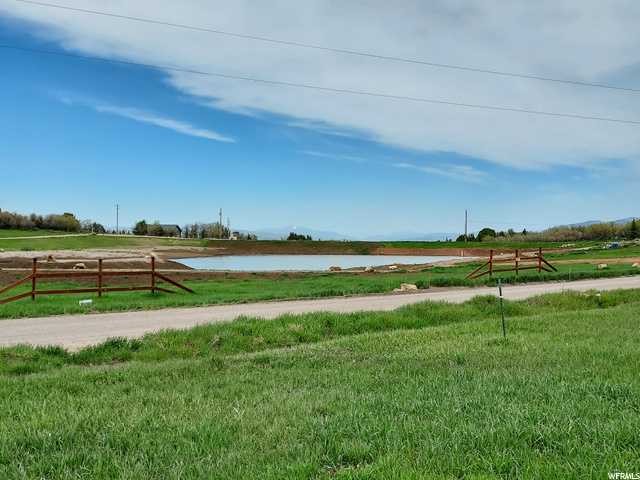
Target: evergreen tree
x=141 y=228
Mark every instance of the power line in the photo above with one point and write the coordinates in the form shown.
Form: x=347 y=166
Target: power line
x=325 y=89
x=338 y=50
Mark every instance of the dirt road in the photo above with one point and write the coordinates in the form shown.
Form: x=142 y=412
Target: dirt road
x=77 y=331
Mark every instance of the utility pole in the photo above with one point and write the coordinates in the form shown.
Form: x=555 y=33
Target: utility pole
x=117 y=219
x=465 y=225
x=220 y=222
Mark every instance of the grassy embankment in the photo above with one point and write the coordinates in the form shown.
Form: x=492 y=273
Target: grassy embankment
x=31 y=233
x=8 y=242
x=428 y=391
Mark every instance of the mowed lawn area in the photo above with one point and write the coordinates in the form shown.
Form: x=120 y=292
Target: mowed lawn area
x=428 y=391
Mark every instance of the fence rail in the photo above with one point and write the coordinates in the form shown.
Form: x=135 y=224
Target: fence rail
x=520 y=263
x=100 y=274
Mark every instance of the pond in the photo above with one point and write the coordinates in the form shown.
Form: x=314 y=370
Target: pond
x=266 y=263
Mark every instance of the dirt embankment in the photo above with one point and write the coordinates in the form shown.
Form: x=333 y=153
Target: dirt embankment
x=317 y=248
x=281 y=247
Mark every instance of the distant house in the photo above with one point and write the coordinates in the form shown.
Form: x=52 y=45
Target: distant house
x=167 y=230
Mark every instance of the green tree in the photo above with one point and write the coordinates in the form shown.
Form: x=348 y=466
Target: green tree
x=155 y=229
x=297 y=236
x=600 y=231
x=633 y=229
x=486 y=232
x=141 y=228
x=66 y=222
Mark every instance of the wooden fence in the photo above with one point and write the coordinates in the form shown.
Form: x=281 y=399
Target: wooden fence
x=520 y=263
x=100 y=274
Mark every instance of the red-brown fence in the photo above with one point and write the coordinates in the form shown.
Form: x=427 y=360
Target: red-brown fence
x=100 y=274
x=520 y=263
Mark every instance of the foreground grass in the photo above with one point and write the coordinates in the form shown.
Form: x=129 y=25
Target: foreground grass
x=428 y=391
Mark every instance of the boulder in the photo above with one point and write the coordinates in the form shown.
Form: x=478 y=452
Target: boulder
x=335 y=269
x=79 y=266
x=393 y=267
x=636 y=265
x=368 y=269
x=406 y=287
x=602 y=266
x=51 y=258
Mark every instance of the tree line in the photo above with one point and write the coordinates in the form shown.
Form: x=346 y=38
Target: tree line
x=190 y=230
x=66 y=222
x=298 y=236
x=595 y=232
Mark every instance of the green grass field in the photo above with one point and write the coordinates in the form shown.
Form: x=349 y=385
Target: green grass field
x=428 y=391
x=71 y=242
x=30 y=233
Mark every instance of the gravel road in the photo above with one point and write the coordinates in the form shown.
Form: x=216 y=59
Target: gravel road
x=74 y=332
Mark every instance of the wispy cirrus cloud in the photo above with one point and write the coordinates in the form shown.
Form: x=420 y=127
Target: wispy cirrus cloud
x=458 y=172
x=465 y=173
x=160 y=121
x=139 y=115
x=335 y=156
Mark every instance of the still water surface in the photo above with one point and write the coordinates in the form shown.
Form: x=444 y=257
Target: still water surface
x=265 y=263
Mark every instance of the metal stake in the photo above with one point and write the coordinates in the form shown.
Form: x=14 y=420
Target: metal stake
x=504 y=328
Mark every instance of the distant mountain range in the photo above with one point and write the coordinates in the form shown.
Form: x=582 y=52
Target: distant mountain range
x=622 y=221
x=414 y=237
x=283 y=233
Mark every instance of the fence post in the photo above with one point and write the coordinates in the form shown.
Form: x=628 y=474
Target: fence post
x=539 y=259
x=491 y=262
x=516 y=262
x=153 y=275
x=99 y=278
x=33 y=280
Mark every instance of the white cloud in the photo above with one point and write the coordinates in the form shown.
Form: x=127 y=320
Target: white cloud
x=350 y=158
x=579 y=40
x=175 y=125
x=458 y=172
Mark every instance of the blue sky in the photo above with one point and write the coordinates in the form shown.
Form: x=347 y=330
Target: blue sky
x=82 y=136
